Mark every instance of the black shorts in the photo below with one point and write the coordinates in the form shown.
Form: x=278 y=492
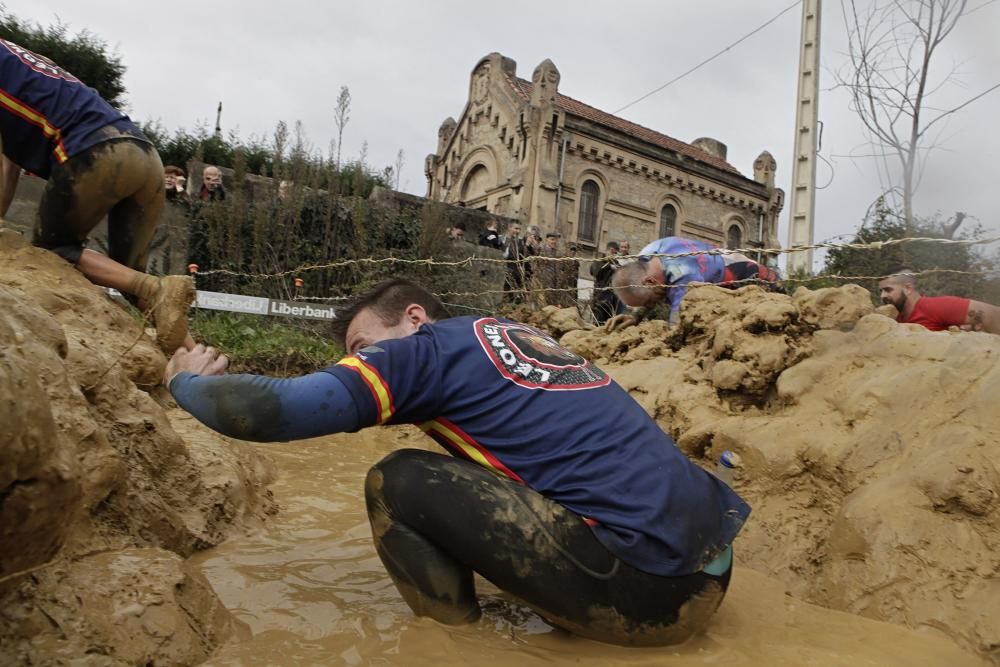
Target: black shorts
x=122 y=178
x=437 y=519
x=740 y=274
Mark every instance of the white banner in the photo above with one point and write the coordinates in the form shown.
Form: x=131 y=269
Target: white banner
x=257 y=305
x=233 y=303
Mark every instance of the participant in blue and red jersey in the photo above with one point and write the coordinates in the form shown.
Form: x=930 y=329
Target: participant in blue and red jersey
x=97 y=163
x=667 y=266
x=562 y=491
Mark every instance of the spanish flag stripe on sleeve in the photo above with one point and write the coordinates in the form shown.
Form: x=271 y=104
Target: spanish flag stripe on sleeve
x=377 y=385
x=19 y=108
x=460 y=440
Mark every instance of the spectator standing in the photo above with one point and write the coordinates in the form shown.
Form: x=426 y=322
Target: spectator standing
x=515 y=252
x=490 y=236
x=211 y=185
x=173 y=184
x=456 y=233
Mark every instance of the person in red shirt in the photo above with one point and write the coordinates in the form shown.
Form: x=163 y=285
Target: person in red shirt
x=936 y=312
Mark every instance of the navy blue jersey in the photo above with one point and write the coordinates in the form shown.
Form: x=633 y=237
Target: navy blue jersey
x=512 y=399
x=46 y=114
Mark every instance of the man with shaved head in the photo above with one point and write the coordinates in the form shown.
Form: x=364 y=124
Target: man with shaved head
x=211 y=185
x=666 y=267
x=936 y=312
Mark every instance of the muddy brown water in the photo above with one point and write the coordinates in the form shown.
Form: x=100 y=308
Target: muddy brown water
x=312 y=592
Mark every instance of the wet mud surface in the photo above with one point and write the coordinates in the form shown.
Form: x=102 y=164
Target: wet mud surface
x=313 y=592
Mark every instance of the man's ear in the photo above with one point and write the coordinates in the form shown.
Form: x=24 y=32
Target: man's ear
x=651 y=280
x=416 y=315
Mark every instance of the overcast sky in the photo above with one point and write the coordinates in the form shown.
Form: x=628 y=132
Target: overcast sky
x=407 y=65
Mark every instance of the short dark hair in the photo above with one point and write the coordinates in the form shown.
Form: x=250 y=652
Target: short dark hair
x=460 y=225
x=552 y=235
x=613 y=244
x=387 y=300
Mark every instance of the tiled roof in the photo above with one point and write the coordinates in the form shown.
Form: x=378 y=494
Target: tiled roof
x=577 y=108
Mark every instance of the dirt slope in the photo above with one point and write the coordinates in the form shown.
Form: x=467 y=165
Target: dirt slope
x=871 y=449
x=100 y=499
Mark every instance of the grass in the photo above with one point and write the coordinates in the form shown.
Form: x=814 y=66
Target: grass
x=257 y=344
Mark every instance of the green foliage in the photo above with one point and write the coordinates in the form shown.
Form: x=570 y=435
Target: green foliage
x=185 y=145
x=976 y=281
x=258 y=156
x=84 y=55
x=257 y=344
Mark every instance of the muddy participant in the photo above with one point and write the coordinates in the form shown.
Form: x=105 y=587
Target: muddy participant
x=936 y=312
x=653 y=280
x=563 y=491
x=97 y=163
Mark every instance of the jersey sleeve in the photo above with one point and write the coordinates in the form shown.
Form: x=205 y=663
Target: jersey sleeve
x=394 y=381
x=949 y=311
x=264 y=409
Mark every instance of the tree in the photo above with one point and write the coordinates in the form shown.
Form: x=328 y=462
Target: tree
x=892 y=48
x=398 y=168
x=955 y=269
x=84 y=55
x=340 y=116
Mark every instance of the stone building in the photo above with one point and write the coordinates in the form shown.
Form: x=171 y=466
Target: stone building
x=521 y=149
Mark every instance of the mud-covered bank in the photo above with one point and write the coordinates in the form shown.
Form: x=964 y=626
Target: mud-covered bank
x=871 y=449
x=101 y=499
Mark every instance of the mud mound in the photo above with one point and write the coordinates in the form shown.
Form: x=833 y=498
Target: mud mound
x=91 y=465
x=553 y=319
x=871 y=449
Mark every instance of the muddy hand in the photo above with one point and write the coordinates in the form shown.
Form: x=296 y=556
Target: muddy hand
x=619 y=322
x=200 y=361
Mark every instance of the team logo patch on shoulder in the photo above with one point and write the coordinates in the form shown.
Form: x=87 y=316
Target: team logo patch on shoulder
x=532 y=359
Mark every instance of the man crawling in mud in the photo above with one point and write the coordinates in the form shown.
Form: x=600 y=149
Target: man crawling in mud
x=97 y=163
x=936 y=313
x=657 y=277
x=560 y=490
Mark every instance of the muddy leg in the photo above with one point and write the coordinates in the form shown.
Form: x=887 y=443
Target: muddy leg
x=437 y=519
x=433 y=583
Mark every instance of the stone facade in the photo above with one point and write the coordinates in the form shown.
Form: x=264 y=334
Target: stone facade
x=521 y=149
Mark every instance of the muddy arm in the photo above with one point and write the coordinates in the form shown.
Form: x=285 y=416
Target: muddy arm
x=983 y=317
x=264 y=409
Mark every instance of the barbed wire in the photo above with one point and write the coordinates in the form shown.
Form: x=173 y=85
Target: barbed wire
x=692 y=285
x=469 y=261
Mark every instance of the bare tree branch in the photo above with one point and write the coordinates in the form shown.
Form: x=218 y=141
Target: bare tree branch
x=892 y=45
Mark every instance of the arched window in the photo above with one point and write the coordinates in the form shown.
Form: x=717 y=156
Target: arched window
x=590 y=196
x=476 y=184
x=734 y=237
x=668 y=221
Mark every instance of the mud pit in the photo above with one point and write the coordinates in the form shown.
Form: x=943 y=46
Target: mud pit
x=870 y=457
x=313 y=592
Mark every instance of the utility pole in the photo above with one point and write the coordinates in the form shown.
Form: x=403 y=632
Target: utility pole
x=802 y=213
x=218 y=120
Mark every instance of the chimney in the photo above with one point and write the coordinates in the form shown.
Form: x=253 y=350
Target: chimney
x=711 y=146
